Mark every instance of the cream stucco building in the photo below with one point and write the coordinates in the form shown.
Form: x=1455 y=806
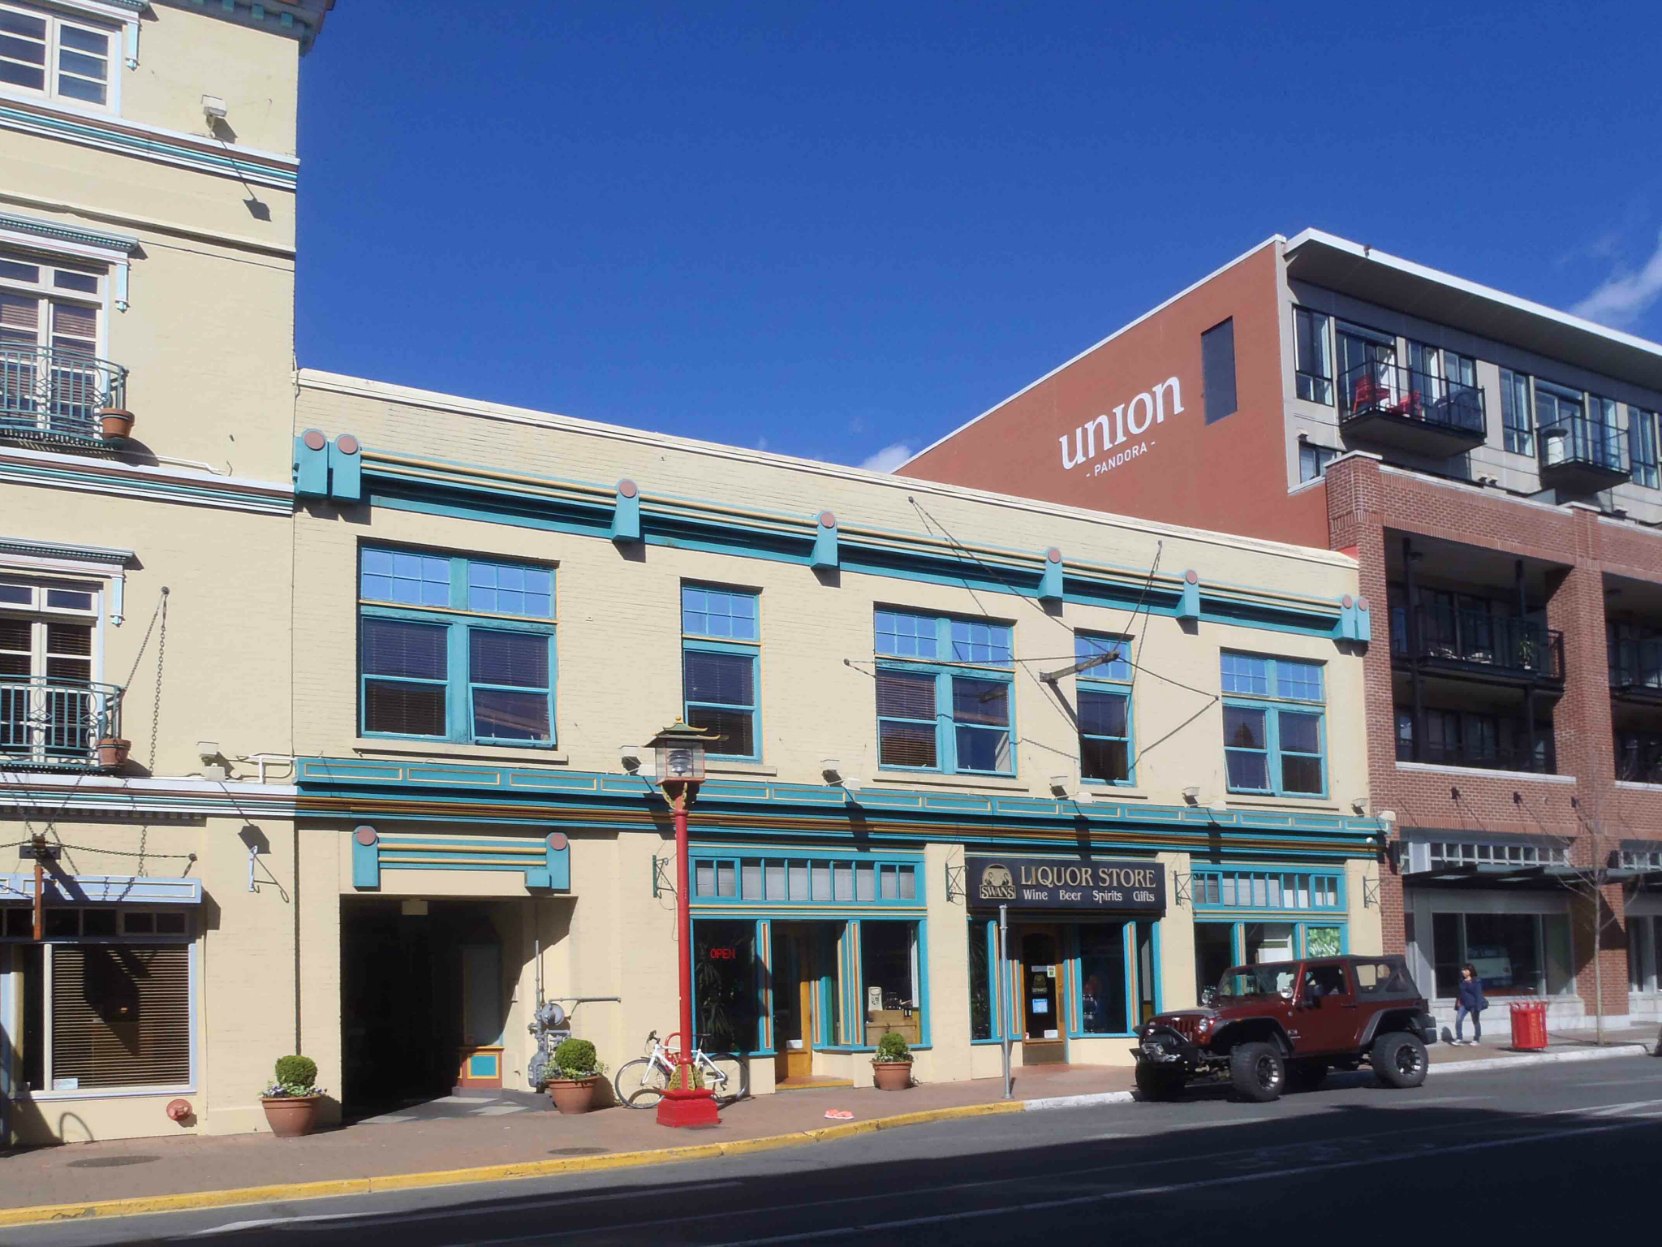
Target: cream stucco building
x=385 y=663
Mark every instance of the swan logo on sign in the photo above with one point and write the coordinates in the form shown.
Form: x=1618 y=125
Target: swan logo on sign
x=1117 y=437
x=997 y=884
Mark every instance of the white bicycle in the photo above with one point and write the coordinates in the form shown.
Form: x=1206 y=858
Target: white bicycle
x=640 y=1083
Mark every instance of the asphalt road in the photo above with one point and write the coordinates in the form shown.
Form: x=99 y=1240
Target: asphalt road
x=1548 y=1154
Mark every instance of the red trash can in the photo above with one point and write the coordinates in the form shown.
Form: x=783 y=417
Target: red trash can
x=1529 y=1025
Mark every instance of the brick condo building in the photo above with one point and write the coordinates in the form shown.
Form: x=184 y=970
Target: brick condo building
x=1492 y=464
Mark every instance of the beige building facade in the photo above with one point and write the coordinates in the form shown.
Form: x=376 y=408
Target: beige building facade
x=325 y=703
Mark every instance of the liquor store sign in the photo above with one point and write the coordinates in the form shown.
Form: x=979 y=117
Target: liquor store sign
x=1066 y=883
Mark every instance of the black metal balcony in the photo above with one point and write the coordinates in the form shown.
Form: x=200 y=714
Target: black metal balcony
x=57 y=724
x=1636 y=670
x=1484 y=755
x=1639 y=757
x=1582 y=456
x=1477 y=645
x=1400 y=407
x=56 y=396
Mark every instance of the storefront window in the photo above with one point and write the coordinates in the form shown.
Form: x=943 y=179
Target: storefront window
x=1103 y=994
x=981 y=992
x=1323 y=942
x=1147 y=979
x=725 y=984
x=1513 y=954
x=888 y=976
x=1268 y=941
x=1214 y=952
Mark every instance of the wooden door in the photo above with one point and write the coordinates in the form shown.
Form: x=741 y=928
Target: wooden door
x=1042 y=997
x=793 y=1004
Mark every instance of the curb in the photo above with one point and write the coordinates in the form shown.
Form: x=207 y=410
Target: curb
x=1542 y=1058
x=1077 y=1101
x=192 y=1200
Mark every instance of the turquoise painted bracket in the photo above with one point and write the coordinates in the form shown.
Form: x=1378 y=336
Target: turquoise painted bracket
x=1050 y=580
x=346 y=469
x=825 y=540
x=626 y=516
x=311 y=464
x=546 y=863
x=1188 y=605
x=1355 y=620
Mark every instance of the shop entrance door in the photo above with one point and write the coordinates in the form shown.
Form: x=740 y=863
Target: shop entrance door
x=1040 y=990
x=793 y=1001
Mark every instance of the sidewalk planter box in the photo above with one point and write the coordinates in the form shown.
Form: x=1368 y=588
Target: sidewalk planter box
x=291 y=1116
x=572 y=1095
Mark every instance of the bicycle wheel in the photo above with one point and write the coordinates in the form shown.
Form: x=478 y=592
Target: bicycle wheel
x=640 y=1083
x=731 y=1078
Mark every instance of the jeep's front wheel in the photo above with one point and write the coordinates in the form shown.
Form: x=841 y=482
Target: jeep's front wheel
x=1399 y=1060
x=1257 y=1071
x=1155 y=1083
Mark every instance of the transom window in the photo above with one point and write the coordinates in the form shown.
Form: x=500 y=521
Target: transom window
x=455 y=648
x=1104 y=708
x=1494 y=853
x=798 y=879
x=1267 y=889
x=720 y=653
x=53 y=56
x=1272 y=725
x=943 y=693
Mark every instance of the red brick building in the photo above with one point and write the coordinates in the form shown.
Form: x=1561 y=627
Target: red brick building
x=1493 y=466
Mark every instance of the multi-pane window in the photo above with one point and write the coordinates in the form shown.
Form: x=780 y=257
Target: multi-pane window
x=1516 y=412
x=1313 y=460
x=54 y=56
x=1437 y=374
x=455 y=648
x=721 y=649
x=1313 y=341
x=50 y=709
x=764 y=879
x=1272 y=725
x=943 y=693
x=1641 y=442
x=1104 y=708
x=50 y=377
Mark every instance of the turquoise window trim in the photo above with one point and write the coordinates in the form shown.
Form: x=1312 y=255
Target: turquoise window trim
x=1238 y=924
x=1075 y=971
x=1248 y=875
x=1273 y=704
x=1113 y=683
x=762 y=963
x=989 y=938
x=946 y=724
x=950 y=633
x=700 y=600
x=884 y=868
x=692 y=645
x=854 y=1001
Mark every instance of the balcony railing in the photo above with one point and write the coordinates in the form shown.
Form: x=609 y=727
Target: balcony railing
x=1636 y=669
x=1411 y=410
x=49 y=394
x=1582 y=455
x=1639 y=757
x=1482 y=646
x=56 y=723
x=1484 y=755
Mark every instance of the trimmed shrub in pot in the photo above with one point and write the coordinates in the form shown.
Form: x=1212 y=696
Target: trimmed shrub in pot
x=891 y=1067
x=572 y=1074
x=292 y=1100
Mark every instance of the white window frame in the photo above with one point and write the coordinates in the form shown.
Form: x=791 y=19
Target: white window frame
x=121 y=25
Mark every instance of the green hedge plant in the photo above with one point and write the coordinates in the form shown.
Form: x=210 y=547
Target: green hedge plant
x=296 y=1075
x=891 y=1048
x=573 y=1061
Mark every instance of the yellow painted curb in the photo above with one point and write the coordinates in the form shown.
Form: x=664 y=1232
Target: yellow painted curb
x=191 y=1200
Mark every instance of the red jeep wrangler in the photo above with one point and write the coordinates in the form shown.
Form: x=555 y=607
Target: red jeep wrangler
x=1286 y=1023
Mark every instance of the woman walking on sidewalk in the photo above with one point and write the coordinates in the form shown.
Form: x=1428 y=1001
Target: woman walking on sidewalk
x=1469 y=1001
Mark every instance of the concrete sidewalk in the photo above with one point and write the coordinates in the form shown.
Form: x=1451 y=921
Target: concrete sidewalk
x=517 y=1135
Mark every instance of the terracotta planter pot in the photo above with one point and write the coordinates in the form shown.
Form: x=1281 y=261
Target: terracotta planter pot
x=113 y=751
x=115 y=423
x=892 y=1075
x=575 y=1095
x=291 y=1116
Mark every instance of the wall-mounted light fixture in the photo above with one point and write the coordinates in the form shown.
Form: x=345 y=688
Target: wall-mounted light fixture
x=1191 y=794
x=1059 y=785
x=630 y=757
x=1359 y=804
x=213 y=108
x=832 y=770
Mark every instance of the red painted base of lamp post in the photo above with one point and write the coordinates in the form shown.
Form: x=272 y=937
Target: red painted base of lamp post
x=696 y=1107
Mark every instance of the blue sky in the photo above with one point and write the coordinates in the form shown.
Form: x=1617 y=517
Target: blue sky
x=840 y=230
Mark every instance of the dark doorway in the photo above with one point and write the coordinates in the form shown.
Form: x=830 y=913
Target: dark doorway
x=406 y=1000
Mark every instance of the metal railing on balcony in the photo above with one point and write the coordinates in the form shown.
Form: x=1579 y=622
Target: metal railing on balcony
x=1636 y=667
x=56 y=723
x=1484 y=754
x=52 y=393
x=1481 y=644
x=1580 y=442
x=1639 y=757
x=1395 y=390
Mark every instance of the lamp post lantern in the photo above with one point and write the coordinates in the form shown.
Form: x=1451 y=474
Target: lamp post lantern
x=680 y=759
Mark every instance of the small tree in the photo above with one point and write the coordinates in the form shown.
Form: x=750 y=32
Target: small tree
x=573 y=1061
x=892 y=1047
x=296 y=1075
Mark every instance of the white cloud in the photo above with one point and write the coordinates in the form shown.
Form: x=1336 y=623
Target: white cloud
x=888 y=459
x=1623 y=297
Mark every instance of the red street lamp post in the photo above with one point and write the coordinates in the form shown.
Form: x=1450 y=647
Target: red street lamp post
x=680 y=758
